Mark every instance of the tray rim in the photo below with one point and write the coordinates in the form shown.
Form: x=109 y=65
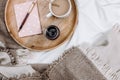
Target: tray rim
x=65 y=40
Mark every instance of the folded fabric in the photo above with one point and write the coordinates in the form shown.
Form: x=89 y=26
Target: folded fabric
x=105 y=53
x=17 y=72
x=73 y=65
x=32 y=25
x=7 y=57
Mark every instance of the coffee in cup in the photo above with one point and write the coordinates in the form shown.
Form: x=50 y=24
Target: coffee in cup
x=59 y=8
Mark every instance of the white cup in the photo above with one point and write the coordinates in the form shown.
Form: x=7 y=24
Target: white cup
x=58 y=16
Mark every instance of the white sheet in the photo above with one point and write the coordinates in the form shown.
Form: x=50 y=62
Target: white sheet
x=95 y=17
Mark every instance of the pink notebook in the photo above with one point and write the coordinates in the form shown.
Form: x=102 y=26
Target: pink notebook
x=32 y=25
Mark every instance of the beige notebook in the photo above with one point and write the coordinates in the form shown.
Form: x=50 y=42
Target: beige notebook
x=32 y=25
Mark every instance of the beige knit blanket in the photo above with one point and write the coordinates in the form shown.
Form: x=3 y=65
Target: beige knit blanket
x=73 y=65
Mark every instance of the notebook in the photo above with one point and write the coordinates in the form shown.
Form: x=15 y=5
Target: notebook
x=32 y=25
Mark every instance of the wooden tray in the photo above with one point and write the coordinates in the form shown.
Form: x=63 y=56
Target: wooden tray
x=40 y=42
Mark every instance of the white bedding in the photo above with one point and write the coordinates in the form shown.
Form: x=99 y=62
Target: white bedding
x=95 y=17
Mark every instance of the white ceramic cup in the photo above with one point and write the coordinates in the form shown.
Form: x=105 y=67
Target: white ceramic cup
x=58 y=16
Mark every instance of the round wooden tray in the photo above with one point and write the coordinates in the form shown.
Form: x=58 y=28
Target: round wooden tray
x=40 y=42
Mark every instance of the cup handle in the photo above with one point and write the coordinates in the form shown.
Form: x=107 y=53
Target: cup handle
x=52 y=0
x=49 y=15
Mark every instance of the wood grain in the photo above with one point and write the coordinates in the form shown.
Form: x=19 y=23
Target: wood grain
x=40 y=42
